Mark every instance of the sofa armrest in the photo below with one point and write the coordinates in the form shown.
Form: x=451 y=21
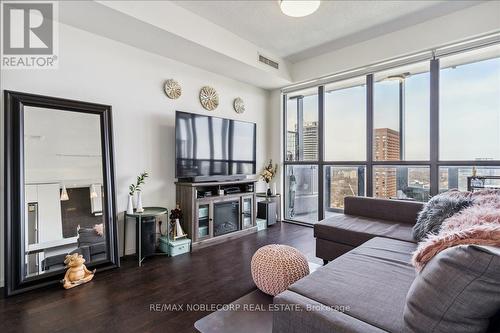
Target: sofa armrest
x=294 y=313
x=385 y=209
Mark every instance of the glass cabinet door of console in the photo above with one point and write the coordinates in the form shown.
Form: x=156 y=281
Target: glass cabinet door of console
x=246 y=212
x=203 y=221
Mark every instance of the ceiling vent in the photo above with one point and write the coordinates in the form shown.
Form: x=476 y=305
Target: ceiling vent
x=268 y=62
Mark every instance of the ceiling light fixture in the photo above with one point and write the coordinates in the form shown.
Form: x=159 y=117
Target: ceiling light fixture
x=399 y=77
x=299 y=8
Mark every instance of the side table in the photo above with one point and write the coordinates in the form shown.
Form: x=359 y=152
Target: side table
x=138 y=217
x=275 y=197
x=266 y=209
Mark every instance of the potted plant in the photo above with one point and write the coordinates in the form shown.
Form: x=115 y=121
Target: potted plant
x=268 y=174
x=136 y=188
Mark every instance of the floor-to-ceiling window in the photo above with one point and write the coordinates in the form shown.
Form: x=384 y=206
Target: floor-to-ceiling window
x=344 y=142
x=407 y=132
x=401 y=112
x=302 y=156
x=469 y=117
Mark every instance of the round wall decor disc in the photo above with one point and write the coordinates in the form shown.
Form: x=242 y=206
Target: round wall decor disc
x=209 y=98
x=239 y=105
x=172 y=89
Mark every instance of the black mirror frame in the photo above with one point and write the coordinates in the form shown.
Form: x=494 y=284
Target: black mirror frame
x=14 y=103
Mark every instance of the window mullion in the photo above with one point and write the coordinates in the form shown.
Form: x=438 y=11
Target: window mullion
x=434 y=126
x=402 y=120
x=369 y=135
x=321 y=150
x=300 y=128
x=285 y=127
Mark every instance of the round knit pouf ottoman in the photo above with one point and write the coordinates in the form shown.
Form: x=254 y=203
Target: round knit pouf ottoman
x=275 y=267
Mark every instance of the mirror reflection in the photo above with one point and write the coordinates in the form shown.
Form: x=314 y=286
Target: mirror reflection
x=64 y=195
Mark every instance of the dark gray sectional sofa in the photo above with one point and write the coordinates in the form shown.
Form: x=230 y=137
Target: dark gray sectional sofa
x=363 y=219
x=370 y=286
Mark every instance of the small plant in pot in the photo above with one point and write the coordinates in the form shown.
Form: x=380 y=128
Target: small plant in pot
x=133 y=188
x=268 y=174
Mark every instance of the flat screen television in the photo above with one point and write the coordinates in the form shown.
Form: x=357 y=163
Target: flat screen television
x=211 y=148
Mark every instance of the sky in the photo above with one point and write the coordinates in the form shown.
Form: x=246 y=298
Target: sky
x=470 y=111
x=469 y=114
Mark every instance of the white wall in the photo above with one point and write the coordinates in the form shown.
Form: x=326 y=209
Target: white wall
x=97 y=69
x=457 y=26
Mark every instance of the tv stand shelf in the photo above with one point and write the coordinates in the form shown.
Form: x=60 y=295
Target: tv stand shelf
x=210 y=217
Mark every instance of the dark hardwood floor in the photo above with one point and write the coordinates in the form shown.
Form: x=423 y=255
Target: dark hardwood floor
x=120 y=300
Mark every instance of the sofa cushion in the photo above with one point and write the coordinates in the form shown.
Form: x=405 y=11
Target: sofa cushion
x=355 y=230
x=372 y=280
x=457 y=291
x=305 y=315
x=328 y=250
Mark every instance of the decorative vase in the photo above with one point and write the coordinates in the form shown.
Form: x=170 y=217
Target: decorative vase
x=268 y=192
x=130 y=205
x=274 y=189
x=139 y=208
x=179 y=233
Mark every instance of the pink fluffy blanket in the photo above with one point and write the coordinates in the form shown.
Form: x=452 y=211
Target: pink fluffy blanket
x=478 y=224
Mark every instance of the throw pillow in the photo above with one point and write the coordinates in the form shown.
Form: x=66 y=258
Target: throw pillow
x=437 y=209
x=457 y=291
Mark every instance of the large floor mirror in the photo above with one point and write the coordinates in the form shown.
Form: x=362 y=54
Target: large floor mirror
x=60 y=196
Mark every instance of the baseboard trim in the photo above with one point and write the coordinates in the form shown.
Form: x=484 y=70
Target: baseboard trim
x=299 y=223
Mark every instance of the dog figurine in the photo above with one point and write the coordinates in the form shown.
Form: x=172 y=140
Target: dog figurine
x=77 y=273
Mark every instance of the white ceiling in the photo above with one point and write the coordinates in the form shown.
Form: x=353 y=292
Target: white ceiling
x=334 y=25
x=226 y=37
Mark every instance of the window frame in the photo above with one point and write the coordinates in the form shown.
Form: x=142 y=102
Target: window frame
x=434 y=163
